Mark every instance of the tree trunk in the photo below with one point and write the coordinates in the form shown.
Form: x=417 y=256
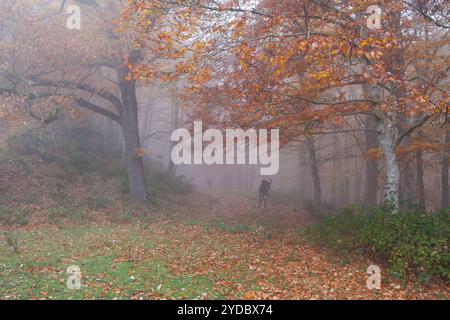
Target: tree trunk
x=317 y=191
x=175 y=124
x=444 y=176
x=132 y=145
x=420 y=182
x=357 y=195
x=147 y=125
x=372 y=171
x=387 y=139
x=407 y=189
x=346 y=186
x=336 y=171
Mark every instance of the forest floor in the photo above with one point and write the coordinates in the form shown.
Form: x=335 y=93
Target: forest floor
x=202 y=247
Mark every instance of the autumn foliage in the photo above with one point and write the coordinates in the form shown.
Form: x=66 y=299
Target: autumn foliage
x=303 y=65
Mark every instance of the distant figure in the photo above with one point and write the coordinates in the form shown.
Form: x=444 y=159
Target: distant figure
x=210 y=183
x=264 y=189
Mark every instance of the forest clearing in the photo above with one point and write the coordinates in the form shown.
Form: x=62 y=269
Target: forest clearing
x=216 y=150
x=200 y=245
x=187 y=259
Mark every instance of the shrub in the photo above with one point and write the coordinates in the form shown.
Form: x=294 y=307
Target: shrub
x=56 y=215
x=161 y=184
x=80 y=153
x=13 y=216
x=325 y=209
x=79 y=150
x=11 y=240
x=97 y=203
x=121 y=217
x=407 y=242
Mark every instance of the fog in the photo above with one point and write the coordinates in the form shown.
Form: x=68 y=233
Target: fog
x=325 y=125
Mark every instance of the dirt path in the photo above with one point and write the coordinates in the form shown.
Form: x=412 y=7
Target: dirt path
x=241 y=210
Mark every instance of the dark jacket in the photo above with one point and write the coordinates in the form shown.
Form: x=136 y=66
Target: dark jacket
x=264 y=188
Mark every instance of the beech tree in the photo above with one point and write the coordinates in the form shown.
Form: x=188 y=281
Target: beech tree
x=286 y=63
x=87 y=68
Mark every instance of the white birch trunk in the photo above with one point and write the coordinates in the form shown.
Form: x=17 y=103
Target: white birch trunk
x=387 y=138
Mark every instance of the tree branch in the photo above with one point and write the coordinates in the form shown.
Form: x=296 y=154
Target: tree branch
x=420 y=122
x=66 y=84
x=93 y=107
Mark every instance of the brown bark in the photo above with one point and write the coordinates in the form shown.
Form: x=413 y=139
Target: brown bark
x=174 y=125
x=420 y=183
x=130 y=128
x=317 y=191
x=444 y=175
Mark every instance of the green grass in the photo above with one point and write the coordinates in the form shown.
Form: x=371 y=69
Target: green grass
x=118 y=262
x=13 y=216
x=165 y=259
